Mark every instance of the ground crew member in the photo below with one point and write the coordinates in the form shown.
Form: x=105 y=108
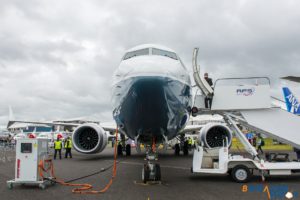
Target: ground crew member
x=254 y=141
x=68 y=147
x=208 y=100
x=190 y=142
x=260 y=143
x=112 y=142
x=57 y=148
x=249 y=136
x=193 y=142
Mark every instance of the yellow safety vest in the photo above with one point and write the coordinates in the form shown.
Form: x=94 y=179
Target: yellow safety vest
x=68 y=144
x=57 y=145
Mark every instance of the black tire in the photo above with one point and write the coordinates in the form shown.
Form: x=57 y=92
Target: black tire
x=241 y=174
x=177 y=149
x=157 y=172
x=145 y=173
x=128 y=150
x=120 y=150
x=185 y=148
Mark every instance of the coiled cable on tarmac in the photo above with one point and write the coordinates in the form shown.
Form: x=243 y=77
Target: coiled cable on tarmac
x=92 y=174
x=84 y=188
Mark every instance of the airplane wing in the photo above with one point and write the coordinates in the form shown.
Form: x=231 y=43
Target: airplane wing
x=44 y=123
x=191 y=128
x=292 y=78
x=111 y=127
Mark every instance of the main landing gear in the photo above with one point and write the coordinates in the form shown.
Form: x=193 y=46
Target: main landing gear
x=127 y=150
x=151 y=171
x=121 y=146
x=184 y=146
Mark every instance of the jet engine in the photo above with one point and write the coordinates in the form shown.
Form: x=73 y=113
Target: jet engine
x=214 y=134
x=89 y=138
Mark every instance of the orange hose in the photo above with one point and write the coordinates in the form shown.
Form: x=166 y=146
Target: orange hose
x=82 y=188
x=153 y=144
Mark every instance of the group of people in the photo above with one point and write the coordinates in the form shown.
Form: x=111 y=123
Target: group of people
x=58 y=146
x=8 y=140
x=260 y=142
x=256 y=141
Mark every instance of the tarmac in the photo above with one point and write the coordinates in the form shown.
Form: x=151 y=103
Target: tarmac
x=177 y=180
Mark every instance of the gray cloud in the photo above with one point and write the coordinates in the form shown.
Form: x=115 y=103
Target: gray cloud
x=56 y=60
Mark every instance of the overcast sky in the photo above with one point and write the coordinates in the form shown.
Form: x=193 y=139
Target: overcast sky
x=57 y=58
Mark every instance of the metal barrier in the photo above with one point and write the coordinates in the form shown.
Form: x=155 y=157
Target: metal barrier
x=7 y=146
x=6 y=152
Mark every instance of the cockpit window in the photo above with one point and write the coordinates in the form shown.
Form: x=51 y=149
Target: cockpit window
x=164 y=53
x=140 y=52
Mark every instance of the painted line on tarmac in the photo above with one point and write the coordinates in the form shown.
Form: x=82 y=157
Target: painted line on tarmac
x=164 y=166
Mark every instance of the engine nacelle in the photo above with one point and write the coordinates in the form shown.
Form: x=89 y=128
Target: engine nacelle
x=213 y=135
x=89 y=138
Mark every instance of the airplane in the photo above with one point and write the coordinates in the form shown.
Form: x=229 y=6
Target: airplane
x=292 y=103
x=152 y=103
x=292 y=78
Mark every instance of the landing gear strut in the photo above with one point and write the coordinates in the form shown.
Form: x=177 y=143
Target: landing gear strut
x=177 y=149
x=120 y=150
x=128 y=149
x=184 y=146
x=151 y=171
x=122 y=147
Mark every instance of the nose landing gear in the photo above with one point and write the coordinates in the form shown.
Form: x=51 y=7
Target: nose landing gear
x=151 y=171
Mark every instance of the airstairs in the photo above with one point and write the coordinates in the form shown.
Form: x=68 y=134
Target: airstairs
x=247 y=101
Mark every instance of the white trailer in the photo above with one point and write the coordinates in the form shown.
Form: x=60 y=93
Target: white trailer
x=219 y=161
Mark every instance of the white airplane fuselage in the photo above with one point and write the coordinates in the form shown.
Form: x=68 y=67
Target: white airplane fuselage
x=151 y=94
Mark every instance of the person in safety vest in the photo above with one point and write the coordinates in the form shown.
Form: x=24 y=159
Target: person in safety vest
x=68 y=147
x=260 y=144
x=193 y=142
x=57 y=148
x=190 y=142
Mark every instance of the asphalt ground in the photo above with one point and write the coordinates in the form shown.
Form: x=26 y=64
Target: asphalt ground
x=177 y=180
